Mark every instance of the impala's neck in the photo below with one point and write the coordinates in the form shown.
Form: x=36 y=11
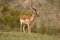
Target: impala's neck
x=32 y=17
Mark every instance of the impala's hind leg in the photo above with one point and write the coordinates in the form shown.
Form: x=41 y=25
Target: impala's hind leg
x=21 y=27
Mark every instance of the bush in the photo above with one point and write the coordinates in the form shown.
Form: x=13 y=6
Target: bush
x=5 y=8
x=26 y=12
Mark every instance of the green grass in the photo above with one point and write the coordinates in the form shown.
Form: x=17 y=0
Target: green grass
x=25 y=36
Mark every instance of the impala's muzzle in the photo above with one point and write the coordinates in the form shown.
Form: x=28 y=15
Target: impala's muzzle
x=37 y=14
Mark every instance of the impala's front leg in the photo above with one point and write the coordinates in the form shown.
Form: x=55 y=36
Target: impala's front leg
x=24 y=28
x=29 y=30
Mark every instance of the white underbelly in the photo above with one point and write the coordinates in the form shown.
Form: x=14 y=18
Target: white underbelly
x=24 y=21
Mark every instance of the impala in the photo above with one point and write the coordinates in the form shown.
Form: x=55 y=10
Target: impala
x=27 y=20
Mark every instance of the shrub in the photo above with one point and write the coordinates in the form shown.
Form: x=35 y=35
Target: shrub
x=5 y=8
x=26 y=12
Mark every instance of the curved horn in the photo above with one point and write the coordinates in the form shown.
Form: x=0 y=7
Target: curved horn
x=34 y=9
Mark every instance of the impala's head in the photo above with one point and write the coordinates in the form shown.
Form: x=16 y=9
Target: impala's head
x=35 y=12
